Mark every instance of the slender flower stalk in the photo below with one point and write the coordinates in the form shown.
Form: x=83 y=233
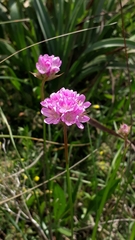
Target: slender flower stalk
x=66 y=107
x=42 y=90
x=68 y=178
x=66 y=143
x=47 y=67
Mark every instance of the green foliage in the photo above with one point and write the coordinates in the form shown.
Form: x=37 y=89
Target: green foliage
x=89 y=38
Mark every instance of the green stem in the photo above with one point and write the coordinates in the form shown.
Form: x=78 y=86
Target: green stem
x=44 y=136
x=45 y=163
x=44 y=160
x=68 y=179
x=44 y=133
x=42 y=89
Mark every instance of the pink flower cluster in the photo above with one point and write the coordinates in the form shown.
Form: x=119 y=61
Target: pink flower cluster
x=48 y=65
x=65 y=106
x=124 y=130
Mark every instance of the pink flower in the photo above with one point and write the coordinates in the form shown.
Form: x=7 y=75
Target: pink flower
x=48 y=65
x=65 y=106
x=124 y=130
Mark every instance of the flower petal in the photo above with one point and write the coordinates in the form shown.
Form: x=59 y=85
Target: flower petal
x=67 y=106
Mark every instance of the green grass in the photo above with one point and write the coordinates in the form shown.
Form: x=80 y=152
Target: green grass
x=35 y=202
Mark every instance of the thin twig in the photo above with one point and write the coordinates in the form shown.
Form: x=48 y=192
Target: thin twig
x=56 y=37
x=105 y=222
x=26 y=168
x=33 y=221
x=41 y=140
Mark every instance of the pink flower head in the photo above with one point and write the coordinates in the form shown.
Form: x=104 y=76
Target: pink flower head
x=48 y=65
x=65 y=106
x=124 y=130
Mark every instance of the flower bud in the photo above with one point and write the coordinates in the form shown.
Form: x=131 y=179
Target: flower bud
x=124 y=130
